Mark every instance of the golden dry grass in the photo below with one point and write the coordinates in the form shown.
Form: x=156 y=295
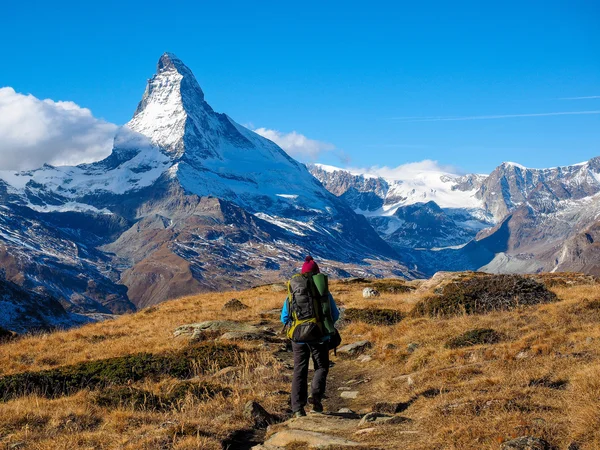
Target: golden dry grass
x=542 y=379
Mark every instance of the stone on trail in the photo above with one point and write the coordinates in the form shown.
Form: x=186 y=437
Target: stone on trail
x=370 y=293
x=525 y=443
x=234 y=305
x=311 y=438
x=349 y=394
x=365 y=431
x=196 y=330
x=354 y=349
x=323 y=423
x=345 y=411
x=258 y=415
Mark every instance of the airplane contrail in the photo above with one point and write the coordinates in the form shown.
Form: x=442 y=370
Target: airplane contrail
x=500 y=116
x=580 y=98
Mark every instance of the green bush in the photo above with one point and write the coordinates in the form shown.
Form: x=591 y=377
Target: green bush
x=482 y=294
x=478 y=336
x=118 y=371
x=373 y=316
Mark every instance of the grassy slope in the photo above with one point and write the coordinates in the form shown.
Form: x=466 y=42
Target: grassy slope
x=478 y=396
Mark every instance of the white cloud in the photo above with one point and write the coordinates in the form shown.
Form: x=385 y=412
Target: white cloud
x=34 y=132
x=408 y=171
x=297 y=145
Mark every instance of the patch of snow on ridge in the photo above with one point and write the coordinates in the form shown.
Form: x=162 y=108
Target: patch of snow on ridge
x=288 y=196
x=291 y=225
x=69 y=206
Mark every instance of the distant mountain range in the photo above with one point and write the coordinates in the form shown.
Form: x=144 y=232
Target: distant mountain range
x=190 y=201
x=514 y=220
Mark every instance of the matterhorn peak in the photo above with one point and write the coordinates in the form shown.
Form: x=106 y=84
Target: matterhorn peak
x=170 y=61
x=172 y=98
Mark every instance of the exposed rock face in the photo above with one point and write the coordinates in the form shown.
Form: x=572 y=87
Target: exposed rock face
x=196 y=330
x=188 y=201
x=22 y=311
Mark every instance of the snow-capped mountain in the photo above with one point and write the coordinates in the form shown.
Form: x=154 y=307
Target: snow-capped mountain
x=514 y=220
x=188 y=200
x=425 y=209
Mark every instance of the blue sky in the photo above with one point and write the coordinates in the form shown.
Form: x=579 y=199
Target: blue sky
x=372 y=79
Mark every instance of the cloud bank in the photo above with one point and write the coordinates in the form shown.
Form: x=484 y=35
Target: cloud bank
x=410 y=170
x=299 y=146
x=34 y=132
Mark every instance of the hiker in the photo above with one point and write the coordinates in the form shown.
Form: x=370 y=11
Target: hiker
x=310 y=312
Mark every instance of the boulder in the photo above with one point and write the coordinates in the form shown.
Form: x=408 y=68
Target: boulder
x=234 y=305
x=197 y=330
x=525 y=443
x=370 y=293
x=258 y=415
x=354 y=349
x=312 y=439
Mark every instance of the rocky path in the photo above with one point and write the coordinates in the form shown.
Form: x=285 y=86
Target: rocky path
x=350 y=418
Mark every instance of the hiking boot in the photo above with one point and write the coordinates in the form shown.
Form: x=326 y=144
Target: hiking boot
x=299 y=413
x=317 y=406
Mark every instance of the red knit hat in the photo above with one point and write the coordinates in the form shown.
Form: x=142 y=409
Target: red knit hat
x=310 y=265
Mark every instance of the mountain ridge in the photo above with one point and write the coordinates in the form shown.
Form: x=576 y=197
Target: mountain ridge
x=529 y=202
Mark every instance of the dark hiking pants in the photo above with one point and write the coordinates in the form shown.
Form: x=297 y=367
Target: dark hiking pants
x=320 y=356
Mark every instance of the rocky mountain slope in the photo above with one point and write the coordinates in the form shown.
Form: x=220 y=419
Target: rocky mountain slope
x=514 y=220
x=188 y=200
x=22 y=310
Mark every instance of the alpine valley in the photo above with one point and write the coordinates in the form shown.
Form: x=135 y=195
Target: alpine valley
x=191 y=201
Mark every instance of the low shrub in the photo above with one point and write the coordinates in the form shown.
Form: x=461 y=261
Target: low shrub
x=6 y=335
x=118 y=371
x=482 y=294
x=391 y=286
x=139 y=399
x=373 y=316
x=478 y=336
